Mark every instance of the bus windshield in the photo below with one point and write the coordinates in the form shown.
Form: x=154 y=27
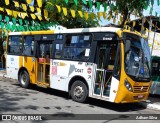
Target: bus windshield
x=137 y=59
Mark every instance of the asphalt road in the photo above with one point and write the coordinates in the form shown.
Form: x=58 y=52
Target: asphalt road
x=52 y=105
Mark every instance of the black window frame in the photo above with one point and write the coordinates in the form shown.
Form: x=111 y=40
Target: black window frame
x=77 y=34
x=19 y=46
x=34 y=51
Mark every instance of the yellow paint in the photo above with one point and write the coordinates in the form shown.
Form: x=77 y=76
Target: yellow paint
x=30 y=65
x=38 y=32
x=119 y=33
x=123 y=95
x=43 y=84
x=62 y=64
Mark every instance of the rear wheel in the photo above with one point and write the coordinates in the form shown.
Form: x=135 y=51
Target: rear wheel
x=79 y=91
x=24 y=79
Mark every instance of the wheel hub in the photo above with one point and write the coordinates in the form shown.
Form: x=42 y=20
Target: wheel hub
x=78 y=91
x=23 y=78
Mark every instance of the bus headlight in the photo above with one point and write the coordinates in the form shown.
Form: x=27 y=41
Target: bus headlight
x=128 y=85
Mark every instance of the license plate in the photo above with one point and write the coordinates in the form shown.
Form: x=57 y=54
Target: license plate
x=140 y=96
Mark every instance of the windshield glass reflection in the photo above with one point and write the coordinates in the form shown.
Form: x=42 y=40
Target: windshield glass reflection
x=137 y=59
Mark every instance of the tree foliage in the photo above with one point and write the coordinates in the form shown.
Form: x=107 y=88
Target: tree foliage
x=125 y=8
x=69 y=21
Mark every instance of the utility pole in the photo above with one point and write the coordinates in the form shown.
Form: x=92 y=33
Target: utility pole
x=142 y=25
x=154 y=38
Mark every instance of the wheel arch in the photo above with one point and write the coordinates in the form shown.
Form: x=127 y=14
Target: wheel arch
x=73 y=79
x=21 y=69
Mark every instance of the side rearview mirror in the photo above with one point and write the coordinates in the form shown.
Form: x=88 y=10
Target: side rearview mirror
x=127 y=45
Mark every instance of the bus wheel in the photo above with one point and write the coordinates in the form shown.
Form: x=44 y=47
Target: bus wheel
x=79 y=91
x=24 y=79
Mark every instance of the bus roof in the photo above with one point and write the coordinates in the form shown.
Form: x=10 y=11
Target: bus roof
x=32 y=32
x=76 y=30
x=96 y=29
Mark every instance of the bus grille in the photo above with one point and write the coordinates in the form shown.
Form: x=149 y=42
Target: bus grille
x=140 y=89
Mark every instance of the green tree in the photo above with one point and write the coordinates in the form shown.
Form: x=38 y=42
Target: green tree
x=68 y=21
x=125 y=8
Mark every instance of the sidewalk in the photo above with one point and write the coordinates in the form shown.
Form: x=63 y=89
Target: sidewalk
x=153 y=101
x=2 y=72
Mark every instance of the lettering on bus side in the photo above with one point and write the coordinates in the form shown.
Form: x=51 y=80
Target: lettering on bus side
x=56 y=63
x=59 y=64
x=78 y=70
x=107 y=38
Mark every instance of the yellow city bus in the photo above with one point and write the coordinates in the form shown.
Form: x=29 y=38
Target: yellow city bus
x=105 y=63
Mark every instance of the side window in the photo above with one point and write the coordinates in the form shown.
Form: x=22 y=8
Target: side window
x=58 y=50
x=117 y=63
x=48 y=48
x=112 y=56
x=77 y=47
x=15 y=45
x=28 y=48
x=41 y=51
x=44 y=50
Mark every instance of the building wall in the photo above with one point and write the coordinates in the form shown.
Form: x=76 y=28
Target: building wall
x=155 y=42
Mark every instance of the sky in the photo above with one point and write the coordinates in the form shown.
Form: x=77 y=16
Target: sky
x=156 y=8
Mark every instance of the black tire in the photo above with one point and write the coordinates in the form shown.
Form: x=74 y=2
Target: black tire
x=24 y=79
x=79 y=91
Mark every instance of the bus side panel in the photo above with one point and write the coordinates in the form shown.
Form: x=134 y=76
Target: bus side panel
x=30 y=64
x=84 y=70
x=59 y=74
x=113 y=89
x=12 y=66
x=63 y=71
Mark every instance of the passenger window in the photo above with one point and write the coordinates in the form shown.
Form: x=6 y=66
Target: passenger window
x=48 y=50
x=28 y=48
x=58 y=50
x=117 y=64
x=15 y=45
x=112 y=56
x=45 y=50
x=41 y=50
x=77 y=47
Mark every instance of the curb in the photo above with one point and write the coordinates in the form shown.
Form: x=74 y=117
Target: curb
x=153 y=106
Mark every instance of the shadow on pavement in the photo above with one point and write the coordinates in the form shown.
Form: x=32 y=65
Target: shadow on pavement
x=154 y=98
x=128 y=107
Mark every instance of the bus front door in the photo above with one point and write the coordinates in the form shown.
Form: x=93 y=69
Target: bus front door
x=44 y=55
x=104 y=71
